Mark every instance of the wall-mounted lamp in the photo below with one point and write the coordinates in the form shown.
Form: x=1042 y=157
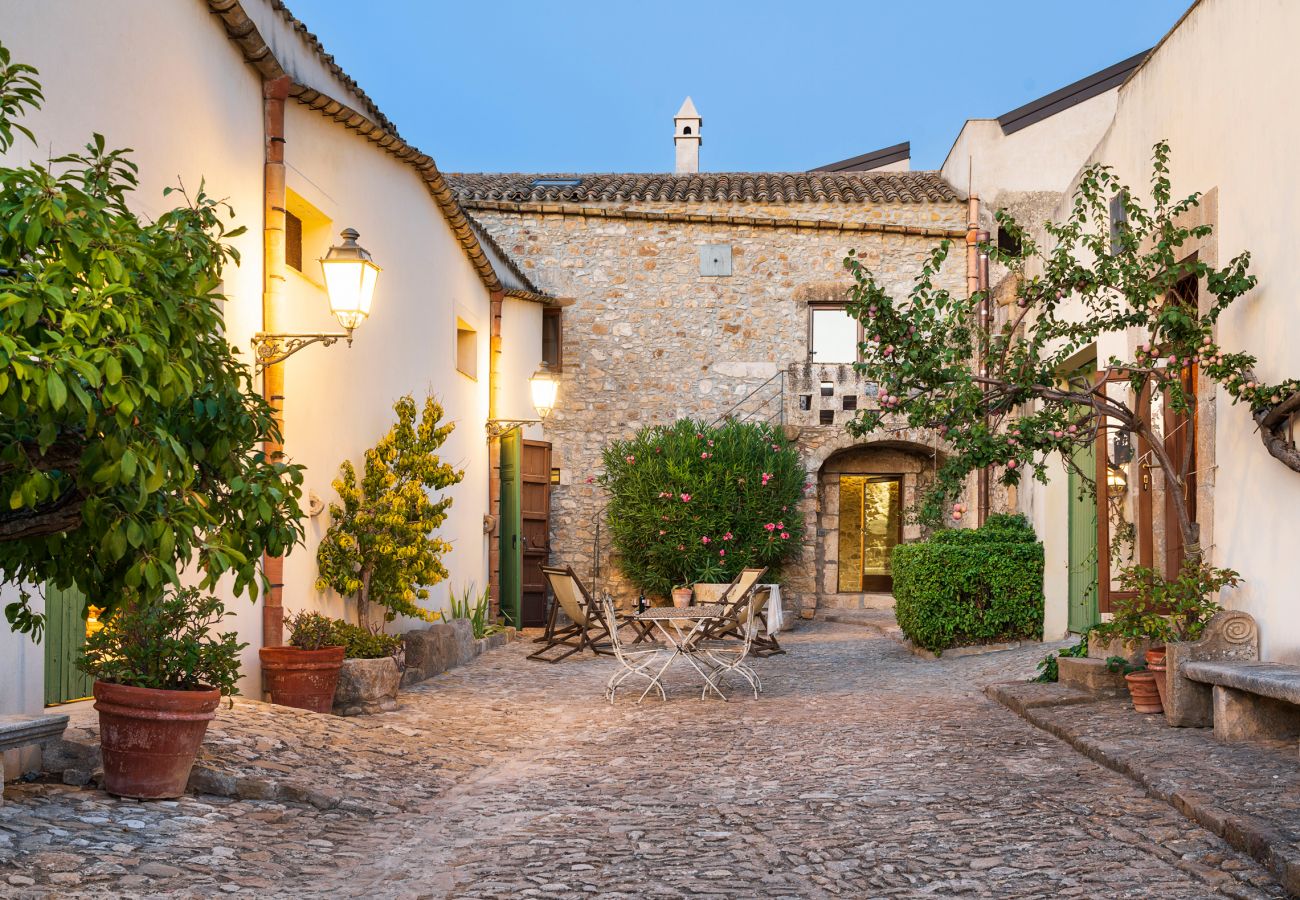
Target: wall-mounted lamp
x=544 y=388
x=1116 y=481
x=350 y=276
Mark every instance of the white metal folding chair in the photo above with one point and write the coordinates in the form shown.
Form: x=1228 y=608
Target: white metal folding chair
x=634 y=659
x=728 y=656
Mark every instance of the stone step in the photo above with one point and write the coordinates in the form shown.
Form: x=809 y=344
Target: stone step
x=1092 y=676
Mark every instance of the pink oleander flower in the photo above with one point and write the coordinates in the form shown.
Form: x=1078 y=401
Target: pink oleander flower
x=705 y=455
x=591 y=479
x=699 y=437
x=681 y=546
x=776 y=446
x=728 y=536
x=722 y=552
x=785 y=535
x=704 y=540
x=629 y=459
x=770 y=526
x=662 y=532
x=781 y=525
x=710 y=443
x=686 y=498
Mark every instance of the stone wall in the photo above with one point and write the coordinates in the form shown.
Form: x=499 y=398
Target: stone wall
x=648 y=339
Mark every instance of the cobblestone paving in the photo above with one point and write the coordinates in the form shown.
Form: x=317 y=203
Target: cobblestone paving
x=863 y=772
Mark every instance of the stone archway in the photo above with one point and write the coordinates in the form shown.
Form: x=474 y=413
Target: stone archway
x=911 y=458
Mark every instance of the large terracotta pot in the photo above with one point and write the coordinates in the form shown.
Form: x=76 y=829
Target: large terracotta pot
x=1159 y=671
x=681 y=597
x=1156 y=656
x=1142 y=688
x=150 y=737
x=305 y=679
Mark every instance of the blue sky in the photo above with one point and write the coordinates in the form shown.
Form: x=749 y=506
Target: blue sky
x=782 y=86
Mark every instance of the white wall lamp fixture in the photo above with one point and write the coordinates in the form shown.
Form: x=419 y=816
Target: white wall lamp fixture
x=545 y=388
x=350 y=276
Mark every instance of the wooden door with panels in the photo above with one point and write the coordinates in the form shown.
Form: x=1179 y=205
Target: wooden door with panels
x=535 y=508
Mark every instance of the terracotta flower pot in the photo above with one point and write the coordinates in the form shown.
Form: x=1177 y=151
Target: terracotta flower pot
x=1161 y=679
x=1155 y=656
x=150 y=737
x=681 y=597
x=1142 y=688
x=304 y=679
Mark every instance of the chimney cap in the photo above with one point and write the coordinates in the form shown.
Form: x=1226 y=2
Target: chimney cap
x=687 y=111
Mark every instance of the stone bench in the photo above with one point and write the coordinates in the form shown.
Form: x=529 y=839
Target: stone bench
x=1251 y=700
x=1231 y=638
x=17 y=732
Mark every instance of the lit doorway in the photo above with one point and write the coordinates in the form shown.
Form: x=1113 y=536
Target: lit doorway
x=871 y=525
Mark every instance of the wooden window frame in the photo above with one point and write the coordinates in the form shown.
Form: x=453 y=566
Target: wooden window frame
x=823 y=306
x=556 y=314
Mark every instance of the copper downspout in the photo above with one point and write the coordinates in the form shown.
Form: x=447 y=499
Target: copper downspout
x=982 y=261
x=494 y=455
x=972 y=288
x=274 y=93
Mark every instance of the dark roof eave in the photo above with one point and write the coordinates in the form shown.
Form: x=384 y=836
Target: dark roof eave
x=1070 y=95
x=868 y=161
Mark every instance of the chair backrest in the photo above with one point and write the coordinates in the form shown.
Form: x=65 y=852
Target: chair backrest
x=741 y=588
x=569 y=593
x=752 y=610
x=605 y=609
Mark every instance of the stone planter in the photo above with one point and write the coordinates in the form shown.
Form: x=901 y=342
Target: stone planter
x=1133 y=651
x=367 y=686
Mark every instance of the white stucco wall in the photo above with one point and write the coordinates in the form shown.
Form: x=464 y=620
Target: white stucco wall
x=192 y=107
x=1217 y=89
x=1042 y=157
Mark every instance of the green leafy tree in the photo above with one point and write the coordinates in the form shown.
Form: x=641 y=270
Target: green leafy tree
x=692 y=502
x=129 y=430
x=1001 y=398
x=380 y=545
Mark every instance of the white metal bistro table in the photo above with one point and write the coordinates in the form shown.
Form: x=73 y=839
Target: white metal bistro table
x=679 y=626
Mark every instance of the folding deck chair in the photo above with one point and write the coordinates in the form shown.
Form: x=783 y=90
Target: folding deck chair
x=586 y=625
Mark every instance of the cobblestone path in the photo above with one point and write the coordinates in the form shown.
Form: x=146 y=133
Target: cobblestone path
x=863 y=772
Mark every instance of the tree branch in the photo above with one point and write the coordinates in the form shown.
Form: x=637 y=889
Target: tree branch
x=54 y=517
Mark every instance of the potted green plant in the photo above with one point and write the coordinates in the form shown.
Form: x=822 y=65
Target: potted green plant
x=159 y=672
x=371 y=673
x=1141 y=683
x=304 y=673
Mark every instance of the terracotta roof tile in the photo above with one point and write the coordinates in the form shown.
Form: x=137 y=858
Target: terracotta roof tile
x=745 y=187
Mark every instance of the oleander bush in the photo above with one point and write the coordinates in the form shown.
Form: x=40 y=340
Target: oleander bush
x=971 y=586
x=693 y=502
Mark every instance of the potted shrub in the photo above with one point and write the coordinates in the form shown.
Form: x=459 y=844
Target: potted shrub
x=1141 y=683
x=304 y=673
x=159 y=672
x=371 y=673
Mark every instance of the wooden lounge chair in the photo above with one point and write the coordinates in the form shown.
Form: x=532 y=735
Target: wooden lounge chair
x=586 y=626
x=734 y=600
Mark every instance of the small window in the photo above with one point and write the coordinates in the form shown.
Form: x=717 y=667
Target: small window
x=1009 y=243
x=828 y=388
x=293 y=241
x=805 y=402
x=686 y=130
x=552 y=338
x=850 y=402
x=466 y=350
x=827 y=417
x=556 y=182
x=1118 y=221
x=834 y=335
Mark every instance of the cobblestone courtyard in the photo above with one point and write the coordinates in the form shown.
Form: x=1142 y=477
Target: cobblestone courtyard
x=863 y=772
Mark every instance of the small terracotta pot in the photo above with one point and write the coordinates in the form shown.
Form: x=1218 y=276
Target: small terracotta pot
x=1142 y=688
x=1161 y=679
x=149 y=737
x=1156 y=656
x=681 y=597
x=304 y=679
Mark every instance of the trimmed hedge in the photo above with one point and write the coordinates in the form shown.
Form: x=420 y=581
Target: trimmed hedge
x=971 y=586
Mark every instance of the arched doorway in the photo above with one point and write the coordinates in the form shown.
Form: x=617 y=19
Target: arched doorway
x=863 y=494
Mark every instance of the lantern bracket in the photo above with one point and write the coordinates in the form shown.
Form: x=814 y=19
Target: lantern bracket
x=498 y=427
x=270 y=349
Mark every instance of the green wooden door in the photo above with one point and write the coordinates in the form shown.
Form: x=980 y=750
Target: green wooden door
x=511 y=526
x=1083 y=544
x=65 y=633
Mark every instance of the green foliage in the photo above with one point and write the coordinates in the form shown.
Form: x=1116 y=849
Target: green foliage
x=166 y=643
x=1076 y=291
x=365 y=643
x=1122 y=666
x=473 y=605
x=997 y=529
x=968 y=591
x=1163 y=609
x=311 y=631
x=130 y=433
x=1048 y=670
x=379 y=544
x=690 y=502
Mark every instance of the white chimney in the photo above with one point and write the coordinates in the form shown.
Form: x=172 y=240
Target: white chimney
x=686 y=135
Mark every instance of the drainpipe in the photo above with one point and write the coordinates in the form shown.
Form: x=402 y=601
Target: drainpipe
x=275 y=92
x=985 y=482
x=972 y=288
x=494 y=454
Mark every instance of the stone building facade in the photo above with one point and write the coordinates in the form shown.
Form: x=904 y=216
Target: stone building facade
x=690 y=295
